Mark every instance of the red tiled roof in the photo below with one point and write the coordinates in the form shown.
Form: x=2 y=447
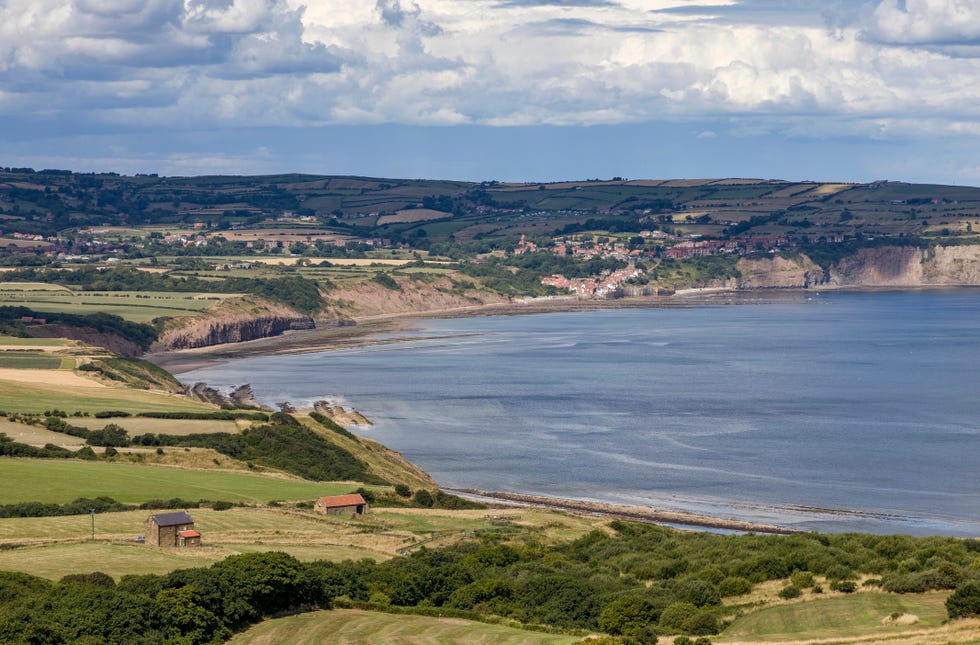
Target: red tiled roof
x=342 y=500
x=188 y=534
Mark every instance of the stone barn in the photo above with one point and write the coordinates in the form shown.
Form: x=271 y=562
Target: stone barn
x=172 y=529
x=352 y=504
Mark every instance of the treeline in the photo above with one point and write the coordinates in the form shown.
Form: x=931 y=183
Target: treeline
x=292 y=290
x=638 y=582
x=86 y=505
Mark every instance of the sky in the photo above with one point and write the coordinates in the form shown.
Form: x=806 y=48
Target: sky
x=508 y=90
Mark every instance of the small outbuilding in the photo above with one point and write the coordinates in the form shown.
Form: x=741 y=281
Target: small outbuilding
x=172 y=529
x=352 y=504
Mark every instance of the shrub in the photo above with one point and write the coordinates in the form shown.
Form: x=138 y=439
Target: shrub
x=703 y=623
x=734 y=586
x=843 y=586
x=789 y=592
x=402 y=490
x=222 y=505
x=802 y=579
x=965 y=601
x=676 y=616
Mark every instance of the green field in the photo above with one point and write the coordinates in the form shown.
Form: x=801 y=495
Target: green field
x=60 y=481
x=13 y=341
x=30 y=360
x=845 y=616
x=355 y=627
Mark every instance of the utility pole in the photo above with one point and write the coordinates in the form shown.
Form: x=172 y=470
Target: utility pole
x=93 y=523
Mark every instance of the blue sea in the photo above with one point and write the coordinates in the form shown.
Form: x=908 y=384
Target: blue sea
x=816 y=411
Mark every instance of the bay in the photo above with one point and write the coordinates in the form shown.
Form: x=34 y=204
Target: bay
x=832 y=412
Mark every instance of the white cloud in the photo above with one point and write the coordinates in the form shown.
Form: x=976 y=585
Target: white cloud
x=926 y=21
x=791 y=64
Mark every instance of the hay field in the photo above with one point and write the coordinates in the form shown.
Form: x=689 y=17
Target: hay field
x=356 y=627
x=34 y=391
x=39 y=436
x=412 y=215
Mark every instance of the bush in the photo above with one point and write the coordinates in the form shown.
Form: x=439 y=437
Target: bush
x=843 y=586
x=402 y=490
x=703 y=623
x=222 y=506
x=789 y=592
x=734 y=586
x=965 y=601
x=802 y=579
x=676 y=616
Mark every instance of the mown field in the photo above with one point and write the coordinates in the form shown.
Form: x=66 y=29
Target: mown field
x=355 y=627
x=871 y=614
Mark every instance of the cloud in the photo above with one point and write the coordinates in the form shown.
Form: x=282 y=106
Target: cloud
x=868 y=66
x=921 y=22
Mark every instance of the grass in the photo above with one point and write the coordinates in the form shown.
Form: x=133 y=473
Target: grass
x=137 y=306
x=356 y=627
x=116 y=559
x=30 y=360
x=852 y=615
x=34 y=398
x=12 y=341
x=49 y=480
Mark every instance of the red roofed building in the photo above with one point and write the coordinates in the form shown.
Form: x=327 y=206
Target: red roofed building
x=352 y=504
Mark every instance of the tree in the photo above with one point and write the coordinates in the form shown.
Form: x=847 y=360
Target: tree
x=626 y=614
x=965 y=601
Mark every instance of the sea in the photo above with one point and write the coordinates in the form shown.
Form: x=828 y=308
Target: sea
x=833 y=411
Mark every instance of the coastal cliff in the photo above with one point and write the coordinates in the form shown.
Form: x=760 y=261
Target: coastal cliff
x=885 y=266
x=233 y=321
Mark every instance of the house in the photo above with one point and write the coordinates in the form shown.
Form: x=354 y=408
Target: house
x=172 y=529
x=353 y=504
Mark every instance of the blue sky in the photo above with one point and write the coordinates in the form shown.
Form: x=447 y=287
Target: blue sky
x=525 y=90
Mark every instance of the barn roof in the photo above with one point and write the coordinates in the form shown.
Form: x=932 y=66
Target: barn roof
x=173 y=519
x=342 y=500
x=188 y=534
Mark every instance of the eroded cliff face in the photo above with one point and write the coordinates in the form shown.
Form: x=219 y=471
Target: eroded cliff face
x=778 y=273
x=235 y=320
x=886 y=266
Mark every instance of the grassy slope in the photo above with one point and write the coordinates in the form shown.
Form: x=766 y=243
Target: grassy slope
x=351 y=626
x=844 y=616
x=38 y=397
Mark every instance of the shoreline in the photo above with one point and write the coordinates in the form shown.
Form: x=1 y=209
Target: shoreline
x=333 y=336
x=370 y=330
x=648 y=514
